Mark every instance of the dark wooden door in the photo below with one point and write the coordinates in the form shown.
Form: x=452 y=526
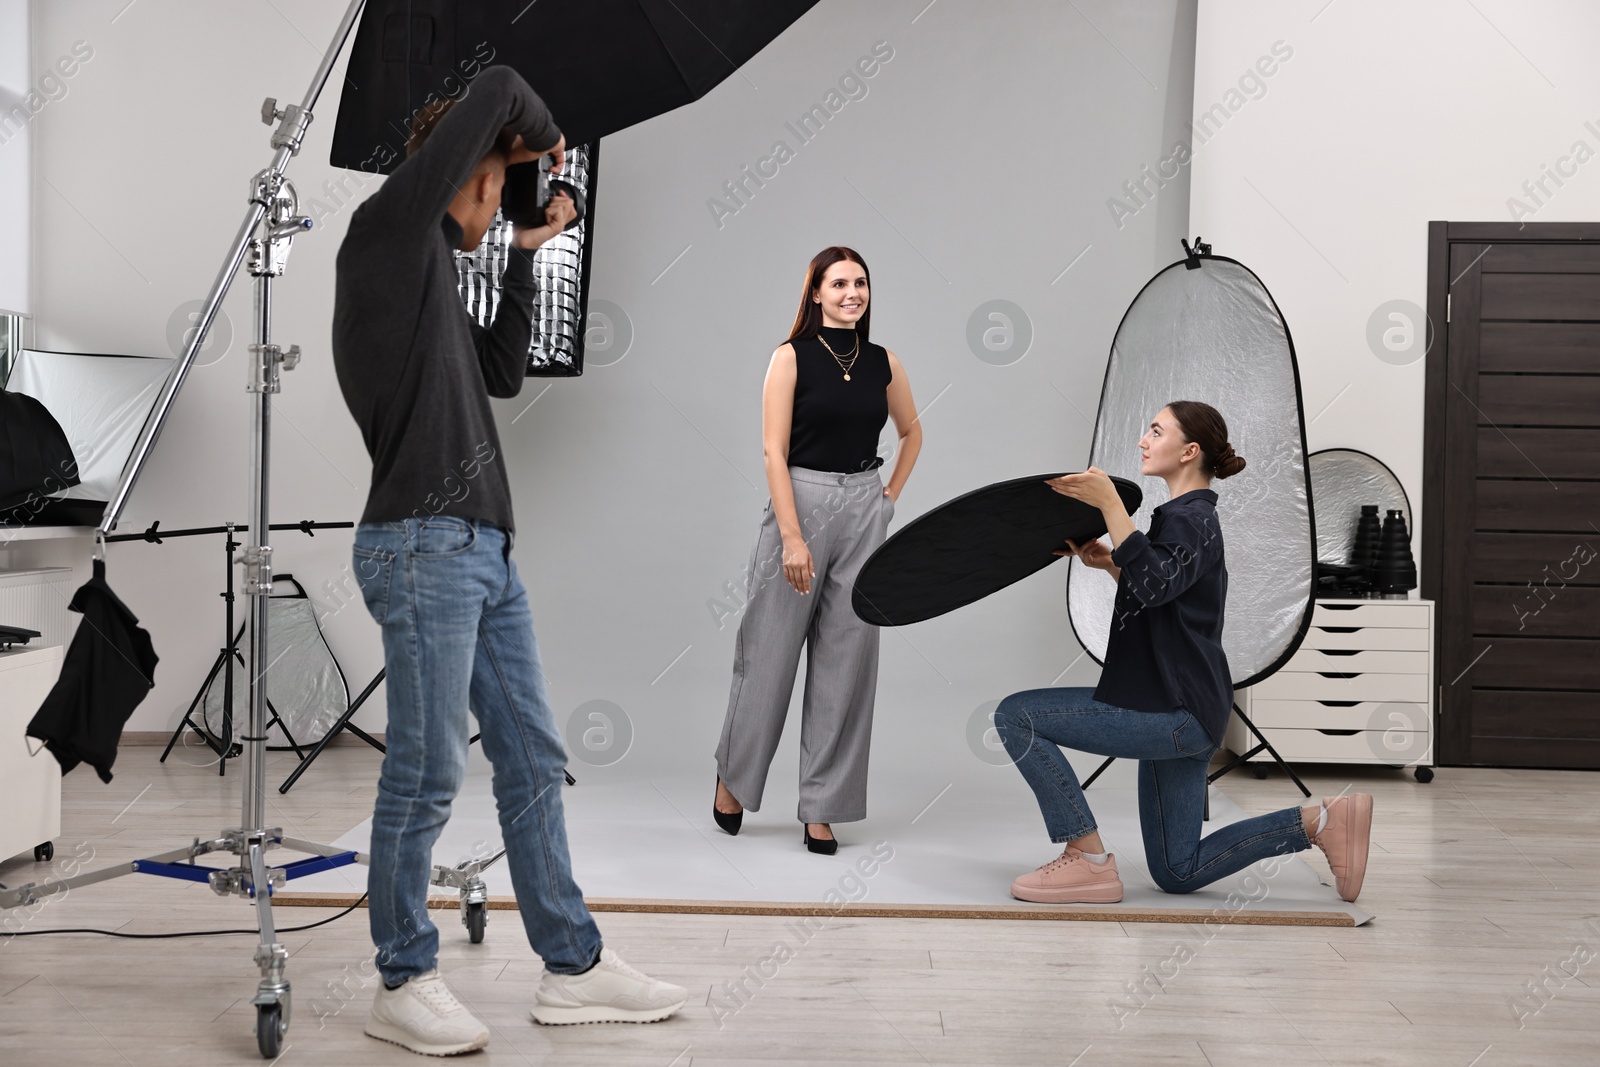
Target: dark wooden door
x=1512 y=521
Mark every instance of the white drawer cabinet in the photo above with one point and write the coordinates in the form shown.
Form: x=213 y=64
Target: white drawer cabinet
x=30 y=785
x=1358 y=690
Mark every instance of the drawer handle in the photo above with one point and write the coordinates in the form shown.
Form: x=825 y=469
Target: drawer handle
x=1341 y=629
x=1339 y=733
x=1340 y=651
x=1340 y=607
x=1341 y=674
x=1339 y=703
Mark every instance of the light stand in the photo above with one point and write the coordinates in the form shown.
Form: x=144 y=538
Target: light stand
x=270 y=225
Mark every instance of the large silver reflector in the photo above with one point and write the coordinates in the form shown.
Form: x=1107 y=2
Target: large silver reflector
x=1214 y=334
x=560 y=272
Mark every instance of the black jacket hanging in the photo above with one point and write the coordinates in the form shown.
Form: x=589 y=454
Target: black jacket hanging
x=109 y=668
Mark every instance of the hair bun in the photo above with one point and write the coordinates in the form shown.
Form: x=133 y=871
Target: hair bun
x=1227 y=463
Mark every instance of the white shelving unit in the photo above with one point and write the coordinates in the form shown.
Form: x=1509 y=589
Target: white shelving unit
x=1359 y=689
x=39 y=569
x=30 y=785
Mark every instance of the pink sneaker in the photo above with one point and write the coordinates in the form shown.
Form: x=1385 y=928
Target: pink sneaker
x=1345 y=840
x=1071 y=879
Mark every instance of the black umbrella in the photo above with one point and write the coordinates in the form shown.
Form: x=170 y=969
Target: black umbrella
x=108 y=669
x=35 y=456
x=600 y=65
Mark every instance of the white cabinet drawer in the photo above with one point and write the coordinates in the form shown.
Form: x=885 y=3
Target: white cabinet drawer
x=1360 y=661
x=30 y=777
x=1302 y=685
x=1389 y=613
x=1361 y=715
x=1388 y=638
x=1397 y=747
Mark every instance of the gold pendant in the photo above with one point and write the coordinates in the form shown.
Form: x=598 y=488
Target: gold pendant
x=847 y=377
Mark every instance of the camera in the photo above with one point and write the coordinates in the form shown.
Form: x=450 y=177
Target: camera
x=528 y=190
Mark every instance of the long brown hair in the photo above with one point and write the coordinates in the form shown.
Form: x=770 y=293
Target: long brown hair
x=1204 y=425
x=808 y=320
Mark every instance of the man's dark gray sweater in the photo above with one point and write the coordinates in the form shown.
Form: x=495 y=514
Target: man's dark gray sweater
x=415 y=370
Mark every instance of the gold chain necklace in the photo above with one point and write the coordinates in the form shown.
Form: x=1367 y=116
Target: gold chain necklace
x=856 y=354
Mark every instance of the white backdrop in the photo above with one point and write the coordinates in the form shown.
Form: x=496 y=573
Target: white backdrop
x=978 y=166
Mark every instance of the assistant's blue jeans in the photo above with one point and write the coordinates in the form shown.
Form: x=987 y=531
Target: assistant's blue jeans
x=1173 y=751
x=458 y=633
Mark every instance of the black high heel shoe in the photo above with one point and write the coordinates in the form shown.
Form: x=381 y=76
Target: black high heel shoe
x=729 y=821
x=822 y=846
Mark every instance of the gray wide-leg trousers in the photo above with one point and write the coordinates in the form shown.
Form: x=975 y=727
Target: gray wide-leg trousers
x=843 y=518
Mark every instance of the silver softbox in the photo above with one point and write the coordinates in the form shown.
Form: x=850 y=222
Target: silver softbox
x=560 y=273
x=1213 y=333
x=102 y=403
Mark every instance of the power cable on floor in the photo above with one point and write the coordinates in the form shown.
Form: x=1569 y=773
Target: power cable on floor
x=191 y=933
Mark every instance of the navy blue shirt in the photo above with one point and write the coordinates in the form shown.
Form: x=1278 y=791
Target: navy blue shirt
x=1165 y=650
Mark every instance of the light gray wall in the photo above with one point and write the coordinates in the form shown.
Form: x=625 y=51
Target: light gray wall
x=977 y=167
x=16 y=111
x=1386 y=116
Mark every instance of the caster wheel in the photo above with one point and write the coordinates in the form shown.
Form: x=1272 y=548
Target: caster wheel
x=44 y=853
x=476 y=918
x=1424 y=774
x=1259 y=770
x=271 y=1026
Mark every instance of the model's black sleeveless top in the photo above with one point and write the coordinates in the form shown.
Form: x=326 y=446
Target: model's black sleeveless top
x=837 y=422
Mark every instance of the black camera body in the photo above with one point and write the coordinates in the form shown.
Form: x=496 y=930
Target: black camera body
x=528 y=190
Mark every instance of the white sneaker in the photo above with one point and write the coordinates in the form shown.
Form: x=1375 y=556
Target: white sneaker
x=609 y=992
x=424 y=1016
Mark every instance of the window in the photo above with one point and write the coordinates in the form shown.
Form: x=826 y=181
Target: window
x=10 y=342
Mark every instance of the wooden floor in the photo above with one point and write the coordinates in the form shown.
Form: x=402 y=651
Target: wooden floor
x=1482 y=882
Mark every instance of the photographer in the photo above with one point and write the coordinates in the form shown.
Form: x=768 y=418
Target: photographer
x=433 y=558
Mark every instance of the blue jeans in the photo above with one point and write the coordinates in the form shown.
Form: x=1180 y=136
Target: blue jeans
x=457 y=632
x=1173 y=751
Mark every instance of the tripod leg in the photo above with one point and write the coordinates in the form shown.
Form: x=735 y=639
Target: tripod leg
x=1099 y=771
x=343 y=723
x=283 y=728
x=383 y=672
x=188 y=716
x=1279 y=759
x=368 y=738
x=1263 y=744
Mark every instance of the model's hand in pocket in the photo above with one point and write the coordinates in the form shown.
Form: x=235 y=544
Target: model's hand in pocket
x=797 y=565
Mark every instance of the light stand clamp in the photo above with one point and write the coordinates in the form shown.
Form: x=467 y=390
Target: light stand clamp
x=291 y=130
x=269 y=360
